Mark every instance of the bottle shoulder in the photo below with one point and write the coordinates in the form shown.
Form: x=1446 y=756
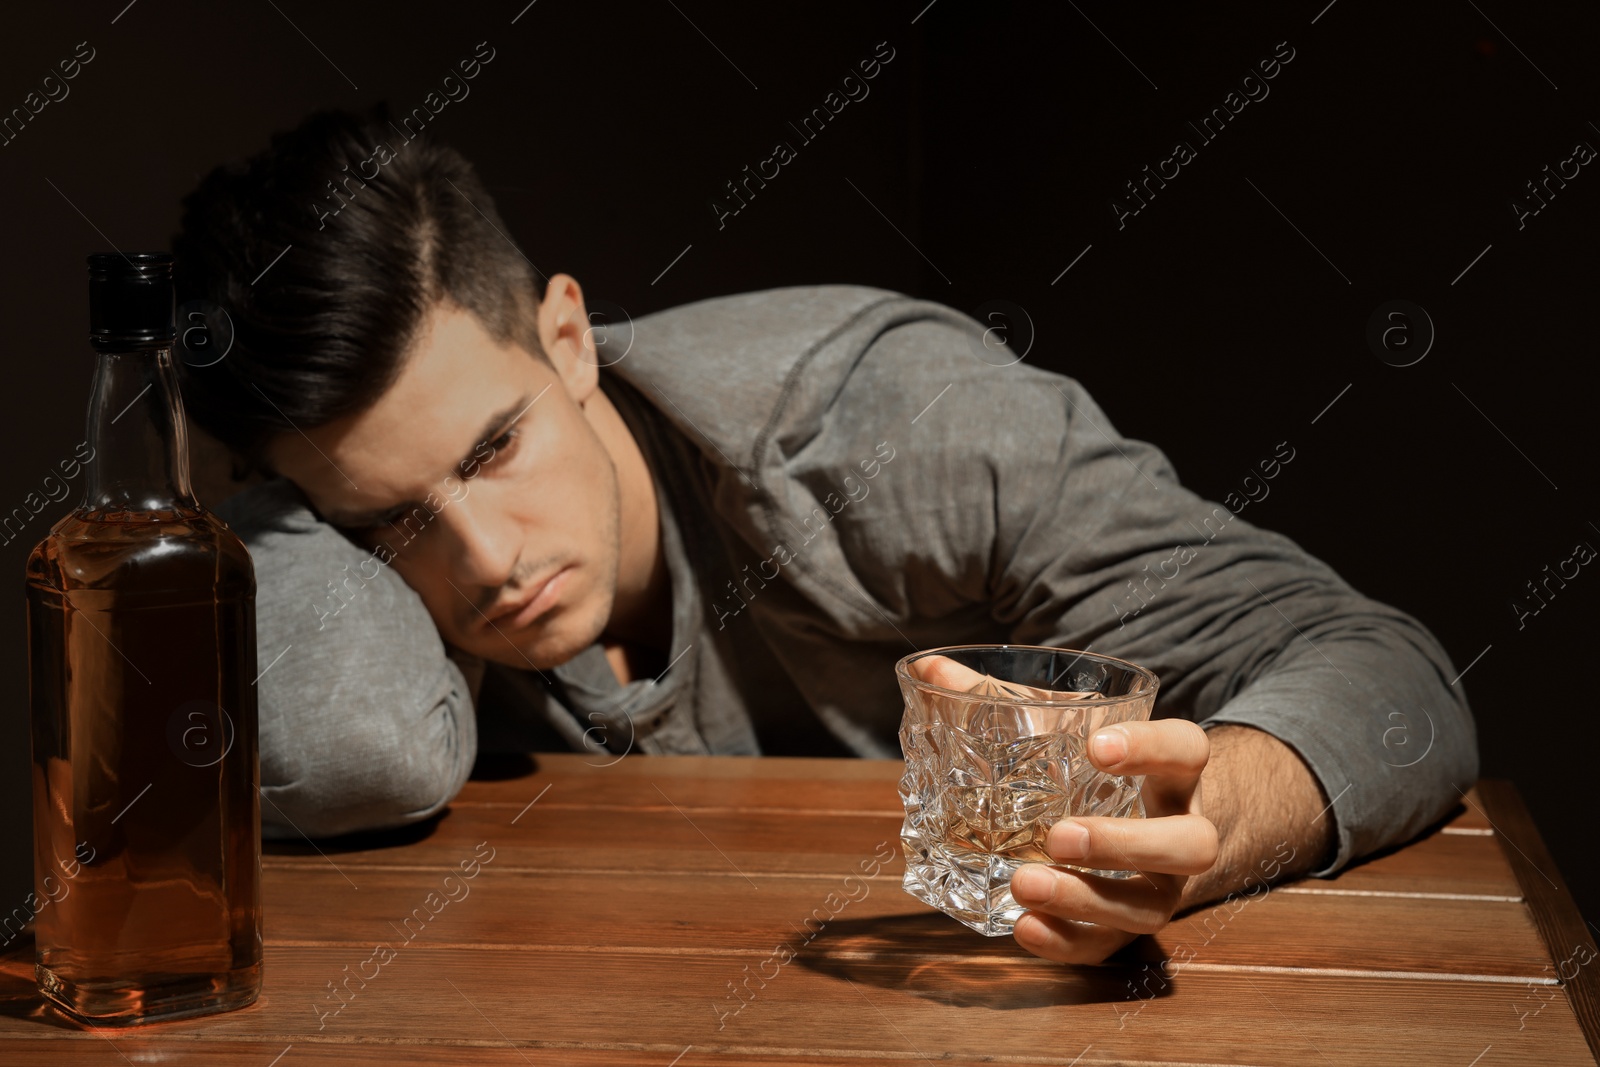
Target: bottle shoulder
x=182 y=549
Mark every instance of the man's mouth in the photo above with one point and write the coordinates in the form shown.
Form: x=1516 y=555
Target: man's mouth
x=542 y=595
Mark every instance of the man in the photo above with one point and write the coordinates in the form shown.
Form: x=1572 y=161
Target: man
x=496 y=526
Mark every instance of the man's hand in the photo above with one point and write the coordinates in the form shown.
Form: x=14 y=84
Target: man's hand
x=1083 y=918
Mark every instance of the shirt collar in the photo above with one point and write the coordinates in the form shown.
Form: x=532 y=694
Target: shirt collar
x=588 y=677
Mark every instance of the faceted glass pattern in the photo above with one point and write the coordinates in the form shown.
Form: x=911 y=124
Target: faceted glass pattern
x=991 y=769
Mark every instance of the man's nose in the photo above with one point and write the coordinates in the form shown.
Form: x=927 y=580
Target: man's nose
x=485 y=540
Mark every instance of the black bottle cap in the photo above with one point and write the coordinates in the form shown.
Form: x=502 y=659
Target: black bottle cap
x=131 y=299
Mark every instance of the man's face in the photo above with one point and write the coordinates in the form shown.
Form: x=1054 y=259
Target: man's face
x=480 y=471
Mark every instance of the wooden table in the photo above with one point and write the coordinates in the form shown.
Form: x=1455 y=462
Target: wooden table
x=655 y=912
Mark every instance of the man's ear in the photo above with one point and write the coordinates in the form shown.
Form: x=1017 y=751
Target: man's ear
x=567 y=338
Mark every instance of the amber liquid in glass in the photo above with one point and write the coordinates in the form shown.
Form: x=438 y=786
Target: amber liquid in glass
x=142 y=659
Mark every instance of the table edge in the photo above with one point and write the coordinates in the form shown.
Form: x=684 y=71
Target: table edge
x=1555 y=913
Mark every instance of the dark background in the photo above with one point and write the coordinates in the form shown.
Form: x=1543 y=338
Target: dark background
x=1222 y=319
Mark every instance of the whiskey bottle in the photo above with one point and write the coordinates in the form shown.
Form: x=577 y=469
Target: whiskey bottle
x=141 y=670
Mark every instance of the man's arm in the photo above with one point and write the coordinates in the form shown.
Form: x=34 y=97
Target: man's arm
x=1016 y=493
x=1272 y=817
x=1104 y=548
x=1332 y=730
x=365 y=721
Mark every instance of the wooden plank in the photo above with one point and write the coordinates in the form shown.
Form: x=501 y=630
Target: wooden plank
x=686 y=912
x=241 y=1054
x=780 y=783
x=1467 y=816
x=1440 y=864
x=175 y=1052
x=1570 y=950
x=1399 y=934
x=730 y=843
x=720 y=842
x=825 y=1008
x=783 y=782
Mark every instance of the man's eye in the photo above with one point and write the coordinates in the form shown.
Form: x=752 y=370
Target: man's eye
x=388 y=518
x=505 y=440
x=502 y=444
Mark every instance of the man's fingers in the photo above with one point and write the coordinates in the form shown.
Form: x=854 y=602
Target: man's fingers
x=1168 y=748
x=1065 y=941
x=1142 y=904
x=946 y=672
x=1171 y=844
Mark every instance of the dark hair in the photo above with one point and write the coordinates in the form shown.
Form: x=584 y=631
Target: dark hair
x=379 y=228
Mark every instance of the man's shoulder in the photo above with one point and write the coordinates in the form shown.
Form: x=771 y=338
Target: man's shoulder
x=762 y=321
x=743 y=369
x=739 y=349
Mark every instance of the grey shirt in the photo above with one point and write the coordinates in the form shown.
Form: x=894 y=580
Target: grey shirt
x=845 y=475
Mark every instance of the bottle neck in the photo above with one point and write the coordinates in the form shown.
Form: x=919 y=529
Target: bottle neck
x=137 y=433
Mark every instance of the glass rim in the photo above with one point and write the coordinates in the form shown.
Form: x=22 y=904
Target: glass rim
x=1149 y=682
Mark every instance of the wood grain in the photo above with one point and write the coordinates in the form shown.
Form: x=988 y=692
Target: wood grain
x=1446 y=864
x=653 y=1007
x=773 y=817
x=1554 y=913
x=684 y=912
x=655 y=912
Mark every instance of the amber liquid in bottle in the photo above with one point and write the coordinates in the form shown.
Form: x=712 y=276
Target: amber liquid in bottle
x=142 y=659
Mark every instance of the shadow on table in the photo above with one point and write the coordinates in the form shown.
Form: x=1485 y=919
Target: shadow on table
x=19 y=996
x=361 y=841
x=934 y=957
x=503 y=766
